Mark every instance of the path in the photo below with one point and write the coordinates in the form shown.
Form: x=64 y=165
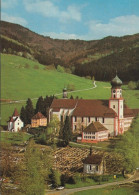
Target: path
x=18 y=101
x=71 y=191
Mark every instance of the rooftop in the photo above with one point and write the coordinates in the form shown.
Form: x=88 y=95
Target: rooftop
x=95 y=127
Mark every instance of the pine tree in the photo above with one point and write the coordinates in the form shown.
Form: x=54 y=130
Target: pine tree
x=71 y=97
x=67 y=132
x=23 y=115
x=40 y=105
x=29 y=111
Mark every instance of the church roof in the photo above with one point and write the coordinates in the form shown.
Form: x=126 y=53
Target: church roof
x=93 y=159
x=94 y=108
x=63 y=103
x=39 y=115
x=95 y=127
x=116 y=81
x=128 y=112
x=15 y=112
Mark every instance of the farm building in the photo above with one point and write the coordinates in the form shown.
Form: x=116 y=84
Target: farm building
x=113 y=114
x=93 y=133
x=15 y=124
x=38 y=120
x=94 y=164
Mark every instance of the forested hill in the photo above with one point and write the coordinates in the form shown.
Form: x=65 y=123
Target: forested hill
x=99 y=58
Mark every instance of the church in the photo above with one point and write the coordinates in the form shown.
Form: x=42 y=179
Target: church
x=112 y=115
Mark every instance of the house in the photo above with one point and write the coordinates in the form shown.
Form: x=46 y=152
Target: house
x=94 y=164
x=113 y=114
x=38 y=120
x=93 y=133
x=15 y=124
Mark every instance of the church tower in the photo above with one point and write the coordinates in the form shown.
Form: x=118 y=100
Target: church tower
x=65 y=94
x=116 y=102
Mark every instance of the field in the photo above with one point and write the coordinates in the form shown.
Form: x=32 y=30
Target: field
x=22 y=78
x=114 y=190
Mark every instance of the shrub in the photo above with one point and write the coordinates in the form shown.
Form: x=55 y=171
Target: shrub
x=60 y=69
x=132 y=85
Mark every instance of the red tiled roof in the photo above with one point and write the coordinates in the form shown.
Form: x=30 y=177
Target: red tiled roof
x=128 y=112
x=12 y=119
x=39 y=115
x=96 y=108
x=15 y=112
x=63 y=103
x=93 y=159
x=95 y=127
x=135 y=112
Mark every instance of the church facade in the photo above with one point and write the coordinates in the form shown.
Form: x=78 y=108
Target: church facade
x=113 y=114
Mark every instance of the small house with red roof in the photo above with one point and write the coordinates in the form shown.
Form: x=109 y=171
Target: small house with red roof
x=94 y=164
x=112 y=114
x=15 y=123
x=38 y=120
x=93 y=133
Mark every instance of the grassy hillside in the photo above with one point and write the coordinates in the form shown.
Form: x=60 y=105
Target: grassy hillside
x=22 y=78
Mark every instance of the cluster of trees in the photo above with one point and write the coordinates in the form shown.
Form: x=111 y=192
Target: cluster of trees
x=128 y=147
x=133 y=85
x=42 y=106
x=126 y=62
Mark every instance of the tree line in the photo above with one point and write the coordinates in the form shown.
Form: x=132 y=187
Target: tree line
x=42 y=105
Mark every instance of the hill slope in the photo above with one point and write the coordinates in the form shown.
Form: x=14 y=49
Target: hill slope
x=97 y=58
x=22 y=78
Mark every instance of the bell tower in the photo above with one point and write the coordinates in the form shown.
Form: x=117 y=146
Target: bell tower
x=116 y=102
x=65 y=94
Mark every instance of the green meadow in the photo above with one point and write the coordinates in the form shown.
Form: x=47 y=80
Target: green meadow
x=22 y=78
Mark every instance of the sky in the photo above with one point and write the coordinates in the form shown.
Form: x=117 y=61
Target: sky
x=74 y=19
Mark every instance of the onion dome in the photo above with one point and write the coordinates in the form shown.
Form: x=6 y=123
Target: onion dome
x=116 y=82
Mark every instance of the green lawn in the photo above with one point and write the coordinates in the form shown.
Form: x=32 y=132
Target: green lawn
x=14 y=138
x=114 y=190
x=19 y=81
x=90 y=182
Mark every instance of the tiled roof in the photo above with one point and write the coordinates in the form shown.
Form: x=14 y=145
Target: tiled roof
x=96 y=108
x=39 y=115
x=128 y=112
x=63 y=103
x=135 y=112
x=93 y=159
x=15 y=112
x=95 y=127
x=12 y=119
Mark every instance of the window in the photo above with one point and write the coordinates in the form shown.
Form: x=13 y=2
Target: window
x=96 y=118
x=113 y=106
x=102 y=120
x=114 y=95
x=75 y=119
x=90 y=167
x=89 y=119
x=74 y=127
x=82 y=119
x=18 y=123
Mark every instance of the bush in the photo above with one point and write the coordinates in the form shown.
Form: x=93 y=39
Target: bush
x=60 y=69
x=132 y=85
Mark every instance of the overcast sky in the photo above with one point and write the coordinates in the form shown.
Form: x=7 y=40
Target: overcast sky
x=74 y=19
